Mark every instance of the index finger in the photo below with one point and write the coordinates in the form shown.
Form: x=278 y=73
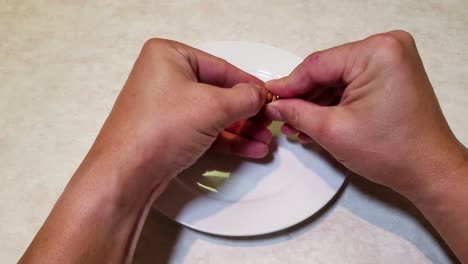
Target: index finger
x=217 y=71
x=329 y=67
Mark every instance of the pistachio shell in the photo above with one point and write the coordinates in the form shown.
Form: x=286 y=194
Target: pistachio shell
x=270 y=97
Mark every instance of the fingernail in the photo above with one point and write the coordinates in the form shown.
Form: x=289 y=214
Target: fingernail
x=273 y=113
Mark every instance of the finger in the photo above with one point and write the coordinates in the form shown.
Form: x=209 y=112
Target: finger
x=304 y=138
x=288 y=130
x=316 y=92
x=240 y=102
x=216 y=71
x=304 y=116
x=336 y=101
x=230 y=143
x=248 y=129
x=261 y=119
x=324 y=68
x=326 y=98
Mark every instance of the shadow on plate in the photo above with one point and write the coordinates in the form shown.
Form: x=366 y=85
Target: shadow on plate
x=378 y=205
x=374 y=203
x=213 y=172
x=160 y=234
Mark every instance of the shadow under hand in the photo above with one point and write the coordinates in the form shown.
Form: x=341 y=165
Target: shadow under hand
x=213 y=183
x=160 y=240
x=390 y=211
x=223 y=178
x=322 y=161
x=283 y=234
x=387 y=209
x=327 y=168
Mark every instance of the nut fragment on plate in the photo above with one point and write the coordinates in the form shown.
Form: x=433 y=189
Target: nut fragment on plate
x=270 y=97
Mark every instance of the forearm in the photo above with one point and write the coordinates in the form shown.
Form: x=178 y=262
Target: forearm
x=98 y=217
x=446 y=207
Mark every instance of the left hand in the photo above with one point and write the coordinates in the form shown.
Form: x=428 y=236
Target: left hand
x=177 y=102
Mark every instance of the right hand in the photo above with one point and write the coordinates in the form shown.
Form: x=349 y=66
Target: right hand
x=387 y=127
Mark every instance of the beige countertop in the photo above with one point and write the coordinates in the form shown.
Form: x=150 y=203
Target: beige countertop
x=64 y=62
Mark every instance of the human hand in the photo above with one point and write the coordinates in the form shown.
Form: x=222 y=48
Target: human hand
x=178 y=102
x=387 y=126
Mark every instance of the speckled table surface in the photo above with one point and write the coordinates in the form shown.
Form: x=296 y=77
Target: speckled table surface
x=64 y=62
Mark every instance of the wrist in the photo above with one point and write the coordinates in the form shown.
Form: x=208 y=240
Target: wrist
x=444 y=206
x=440 y=179
x=102 y=202
x=126 y=178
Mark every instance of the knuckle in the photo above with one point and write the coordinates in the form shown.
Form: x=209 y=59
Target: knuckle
x=294 y=117
x=254 y=98
x=327 y=133
x=154 y=45
x=329 y=130
x=153 y=42
x=387 y=41
x=312 y=58
x=221 y=61
x=217 y=106
x=389 y=47
x=324 y=132
x=404 y=36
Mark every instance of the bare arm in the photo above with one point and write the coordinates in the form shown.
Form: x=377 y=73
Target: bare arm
x=97 y=218
x=446 y=207
x=176 y=103
x=387 y=125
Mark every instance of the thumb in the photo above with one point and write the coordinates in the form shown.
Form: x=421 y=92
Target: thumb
x=305 y=116
x=240 y=102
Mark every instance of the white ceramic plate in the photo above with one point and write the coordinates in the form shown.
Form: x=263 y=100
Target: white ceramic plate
x=231 y=196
